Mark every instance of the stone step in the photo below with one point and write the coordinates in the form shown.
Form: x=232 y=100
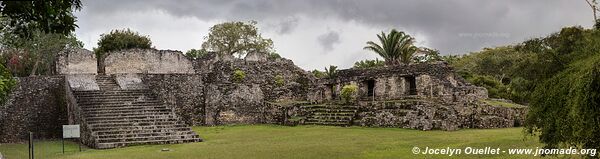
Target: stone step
x=328 y=107
x=108 y=103
x=107 y=132
x=141 y=126
x=332 y=110
x=123 y=108
x=108 y=92
x=126 y=120
x=328 y=123
x=133 y=110
x=122 y=144
x=333 y=114
x=327 y=120
x=148 y=125
x=128 y=117
x=330 y=117
x=132 y=135
x=109 y=97
x=130 y=114
x=144 y=138
x=117 y=128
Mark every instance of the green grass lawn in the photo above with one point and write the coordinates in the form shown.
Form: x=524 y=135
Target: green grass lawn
x=272 y=141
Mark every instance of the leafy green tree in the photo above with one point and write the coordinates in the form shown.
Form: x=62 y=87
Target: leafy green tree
x=195 y=53
x=237 y=38
x=564 y=109
x=396 y=47
x=369 y=63
x=428 y=55
x=119 y=40
x=597 y=25
x=35 y=54
x=331 y=72
x=47 y=16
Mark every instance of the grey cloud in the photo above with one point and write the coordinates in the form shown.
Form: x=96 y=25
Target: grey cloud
x=328 y=39
x=443 y=23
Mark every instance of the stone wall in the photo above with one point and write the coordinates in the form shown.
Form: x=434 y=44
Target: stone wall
x=36 y=104
x=430 y=80
x=184 y=92
x=234 y=104
x=76 y=61
x=433 y=114
x=150 y=61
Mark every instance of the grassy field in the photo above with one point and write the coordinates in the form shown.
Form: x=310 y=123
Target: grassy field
x=272 y=141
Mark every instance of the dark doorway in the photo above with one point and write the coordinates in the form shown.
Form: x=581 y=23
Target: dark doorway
x=412 y=85
x=370 y=87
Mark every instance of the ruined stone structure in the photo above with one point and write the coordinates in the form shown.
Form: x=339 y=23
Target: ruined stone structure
x=153 y=96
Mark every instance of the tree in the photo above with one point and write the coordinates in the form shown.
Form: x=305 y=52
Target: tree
x=369 y=63
x=564 y=109
x=237 y=38
x=594 y=6
x=119 y=40
x=195 y=53
x=35 y=54
x=428 y=55
x=396 y=47
x=331 y=72
x=47 y=16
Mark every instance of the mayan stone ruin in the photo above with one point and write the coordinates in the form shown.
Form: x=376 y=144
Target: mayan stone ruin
x=149 y=96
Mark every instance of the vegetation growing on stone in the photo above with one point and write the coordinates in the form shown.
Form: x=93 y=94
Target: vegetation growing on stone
x=348 y=93
x=238 y=75
x=279 y=80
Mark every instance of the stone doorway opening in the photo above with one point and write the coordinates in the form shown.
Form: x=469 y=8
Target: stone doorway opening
x=412 y=85
x=370 y=87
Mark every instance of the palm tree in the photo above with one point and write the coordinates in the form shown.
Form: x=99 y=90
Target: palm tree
x=331 y=72
x=397 y=47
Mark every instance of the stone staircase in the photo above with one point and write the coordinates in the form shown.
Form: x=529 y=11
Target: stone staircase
x=333 y=115
x=118 y=118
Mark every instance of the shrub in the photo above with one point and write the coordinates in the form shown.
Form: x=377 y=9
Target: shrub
x=349 y=93
x=6 y=83
x=274 y=55
x=279 y=80
x=239 y=75
x=120 y=40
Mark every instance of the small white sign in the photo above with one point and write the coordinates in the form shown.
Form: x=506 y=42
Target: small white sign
x=70 y=131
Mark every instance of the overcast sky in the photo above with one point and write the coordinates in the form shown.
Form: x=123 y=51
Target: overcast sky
x=318 y=33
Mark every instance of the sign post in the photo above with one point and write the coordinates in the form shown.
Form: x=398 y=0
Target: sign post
x=70 y=131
